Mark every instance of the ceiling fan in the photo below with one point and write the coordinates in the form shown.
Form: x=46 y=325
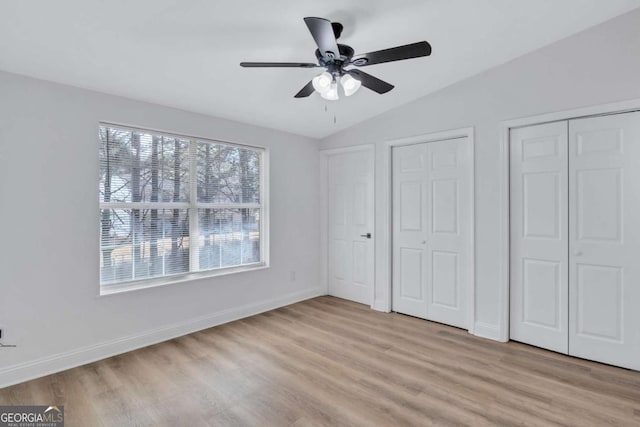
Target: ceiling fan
x=334 y=57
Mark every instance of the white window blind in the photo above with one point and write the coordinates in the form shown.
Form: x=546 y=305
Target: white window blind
x=172 y=205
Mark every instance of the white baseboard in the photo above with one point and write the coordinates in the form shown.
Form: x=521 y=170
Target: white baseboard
x=70 y=359
x=489 y=331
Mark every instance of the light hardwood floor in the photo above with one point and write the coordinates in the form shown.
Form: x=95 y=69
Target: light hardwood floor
x=328 y=361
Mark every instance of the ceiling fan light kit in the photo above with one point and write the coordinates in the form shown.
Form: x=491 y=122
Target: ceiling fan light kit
x=327 y=85
x=336 y=57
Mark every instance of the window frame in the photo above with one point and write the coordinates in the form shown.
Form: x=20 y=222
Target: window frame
x=192 y=207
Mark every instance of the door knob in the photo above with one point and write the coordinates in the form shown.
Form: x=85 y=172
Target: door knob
x=368 y=235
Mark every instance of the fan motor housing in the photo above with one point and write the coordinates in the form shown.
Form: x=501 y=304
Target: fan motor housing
x=346 y=53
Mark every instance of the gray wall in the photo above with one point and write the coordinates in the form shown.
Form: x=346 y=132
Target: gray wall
x=49 y=231
x=599 y=65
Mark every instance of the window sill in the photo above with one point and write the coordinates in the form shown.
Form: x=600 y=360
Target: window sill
x=110 y=289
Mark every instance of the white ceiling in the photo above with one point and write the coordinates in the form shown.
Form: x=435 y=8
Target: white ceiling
x=185 y=54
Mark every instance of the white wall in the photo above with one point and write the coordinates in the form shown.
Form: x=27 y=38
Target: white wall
x=600 y=65
x=49 y=231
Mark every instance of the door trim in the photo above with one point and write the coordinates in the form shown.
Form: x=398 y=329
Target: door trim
x=385 y=234
x=501 y=332
x=324 y=212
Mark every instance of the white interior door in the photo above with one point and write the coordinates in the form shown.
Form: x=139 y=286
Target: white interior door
x=351 y=219
x=539 y=236
x=433 y=230
x=604 y=189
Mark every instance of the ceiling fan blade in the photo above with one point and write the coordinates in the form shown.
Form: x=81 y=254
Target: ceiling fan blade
x=413 y=50
x=370 y=82
x=322 y=32
x=305 y=91
x=278 y=64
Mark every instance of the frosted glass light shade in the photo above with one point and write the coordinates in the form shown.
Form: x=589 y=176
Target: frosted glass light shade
x=322 y=83
x=332 y=93
x=349 y=84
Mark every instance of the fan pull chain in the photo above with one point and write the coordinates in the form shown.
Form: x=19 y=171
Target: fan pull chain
x=326 y=110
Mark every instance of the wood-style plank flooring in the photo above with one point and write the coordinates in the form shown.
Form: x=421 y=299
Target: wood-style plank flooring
x=332 y=362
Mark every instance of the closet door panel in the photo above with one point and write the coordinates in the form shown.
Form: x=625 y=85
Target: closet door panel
x=539 y=236
x=450 y=182
x=410 y=229
x=604 y=285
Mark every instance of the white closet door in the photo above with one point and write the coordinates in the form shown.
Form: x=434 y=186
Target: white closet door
x=450 y=230
x=539 y=236
x=410 y=231
x=432 y=230
x=351 y=216
x=604 y=165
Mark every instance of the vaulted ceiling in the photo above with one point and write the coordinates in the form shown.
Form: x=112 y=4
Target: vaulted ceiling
x=185 y=54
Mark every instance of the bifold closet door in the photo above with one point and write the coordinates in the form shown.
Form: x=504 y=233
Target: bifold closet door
x=604 y=279
x=539 y=236
x=410 y=229
x=432 y=230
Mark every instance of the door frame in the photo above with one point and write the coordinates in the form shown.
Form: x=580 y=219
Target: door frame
x=324 y=211
x=386 y=194
x=501 y=332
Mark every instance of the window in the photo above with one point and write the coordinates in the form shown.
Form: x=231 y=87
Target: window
x=173 y=205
